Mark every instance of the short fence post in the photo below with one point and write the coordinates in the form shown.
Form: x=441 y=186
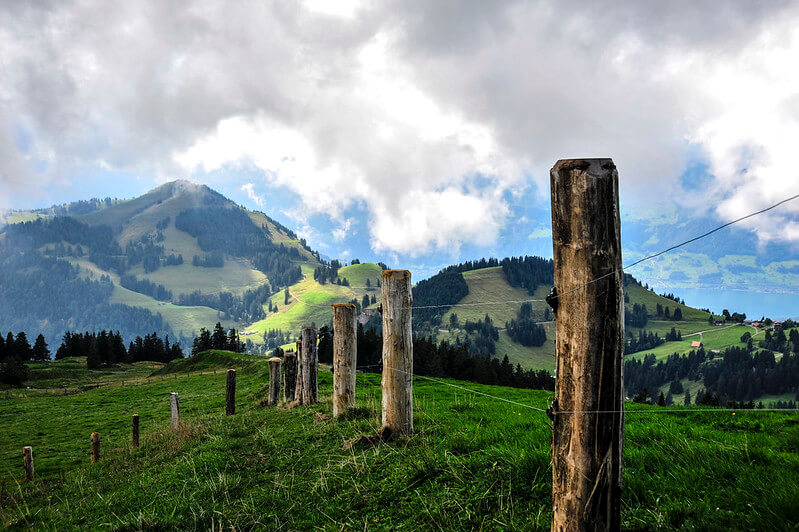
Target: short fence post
x=230 y=393
x=135 y=430
x=298 y=388
x=588 y=411
x=289 y=376
x=397 y=381
x=27 y=456
x=174 y=403
x=344 y=357
x=95 y=447
x=274 y=380
x=310 y=364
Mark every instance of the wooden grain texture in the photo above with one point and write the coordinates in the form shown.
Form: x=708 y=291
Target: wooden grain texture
x=289 y=376
x=27 y=460
x=344 y=357
x=397 y=381
x=589 y=345
x=274 y=380
x=135 y=430
x=95 y=447
x=174 y=405
x=298 y=387
x=230 y=393
x=310 y=366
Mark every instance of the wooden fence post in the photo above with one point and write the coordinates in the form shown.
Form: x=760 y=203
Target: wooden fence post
x=397 y=381
x=274 y=380
x=135 y=430
x=230 y=393
x=27 y=457
x=588 y=411
x=174 y=404
x=289 y=376
x=298 y=387
x=95 y=447
x=310 y=366
x=344 y=357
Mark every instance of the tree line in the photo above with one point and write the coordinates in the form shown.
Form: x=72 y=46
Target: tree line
x=440 y=360
x=739 y=374
x=52 y=295
x=217 y=339
x=107 y=348
x=525 y=330
x=15 y=351
x=221 y=230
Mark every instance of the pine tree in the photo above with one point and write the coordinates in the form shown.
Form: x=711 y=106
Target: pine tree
x=286 y=296
x=687 y=398
x=219 y=338
x=40 y=350
x=22 y=348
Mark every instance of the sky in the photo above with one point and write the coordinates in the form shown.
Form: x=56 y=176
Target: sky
x=417 y=133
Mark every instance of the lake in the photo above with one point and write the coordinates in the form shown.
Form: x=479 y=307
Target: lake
x=754 y=304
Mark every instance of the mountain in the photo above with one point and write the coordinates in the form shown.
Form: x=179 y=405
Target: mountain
x=176 y=259
x=183 y=256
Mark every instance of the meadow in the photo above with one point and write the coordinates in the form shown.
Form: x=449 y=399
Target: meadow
x=474 y=462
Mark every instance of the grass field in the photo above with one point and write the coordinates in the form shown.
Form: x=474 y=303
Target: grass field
x=490 y=285
x=310 y=301
x=473 y=463
x=357 y=274
x=716 y=338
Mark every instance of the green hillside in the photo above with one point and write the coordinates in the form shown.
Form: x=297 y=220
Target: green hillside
x=489 y=285
x=310 y=302
x=150 y=225
x=474 y=462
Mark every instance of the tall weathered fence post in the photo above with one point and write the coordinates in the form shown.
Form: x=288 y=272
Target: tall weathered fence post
x=95 y=447
x=289 y=376
x=174 y=404
x=588 y=412
x=274 y=380
x=310 y=365
x=344 y=357
x=230 y=393
x=397 y=382
x=27 y=457
x=298 y=387
x=135 y=430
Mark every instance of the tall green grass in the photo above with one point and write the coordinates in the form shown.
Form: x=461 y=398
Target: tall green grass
x=473 y=462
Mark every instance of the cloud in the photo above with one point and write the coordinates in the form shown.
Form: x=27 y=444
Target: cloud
x=427 y=115
x=249 y=188
x=343 y=231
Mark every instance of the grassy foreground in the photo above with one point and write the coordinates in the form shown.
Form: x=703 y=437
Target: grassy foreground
x=474 y=462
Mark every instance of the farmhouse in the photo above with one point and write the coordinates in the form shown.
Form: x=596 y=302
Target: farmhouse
x=696 y=344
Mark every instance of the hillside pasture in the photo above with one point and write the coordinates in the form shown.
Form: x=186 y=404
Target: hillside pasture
x=474 y=462
x=717 y=338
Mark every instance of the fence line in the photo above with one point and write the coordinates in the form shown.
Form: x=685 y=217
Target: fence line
x=41 y=392
x=657 y=410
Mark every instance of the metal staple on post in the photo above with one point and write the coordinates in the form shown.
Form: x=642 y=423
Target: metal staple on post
x=588 y=411
x=397 y=381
